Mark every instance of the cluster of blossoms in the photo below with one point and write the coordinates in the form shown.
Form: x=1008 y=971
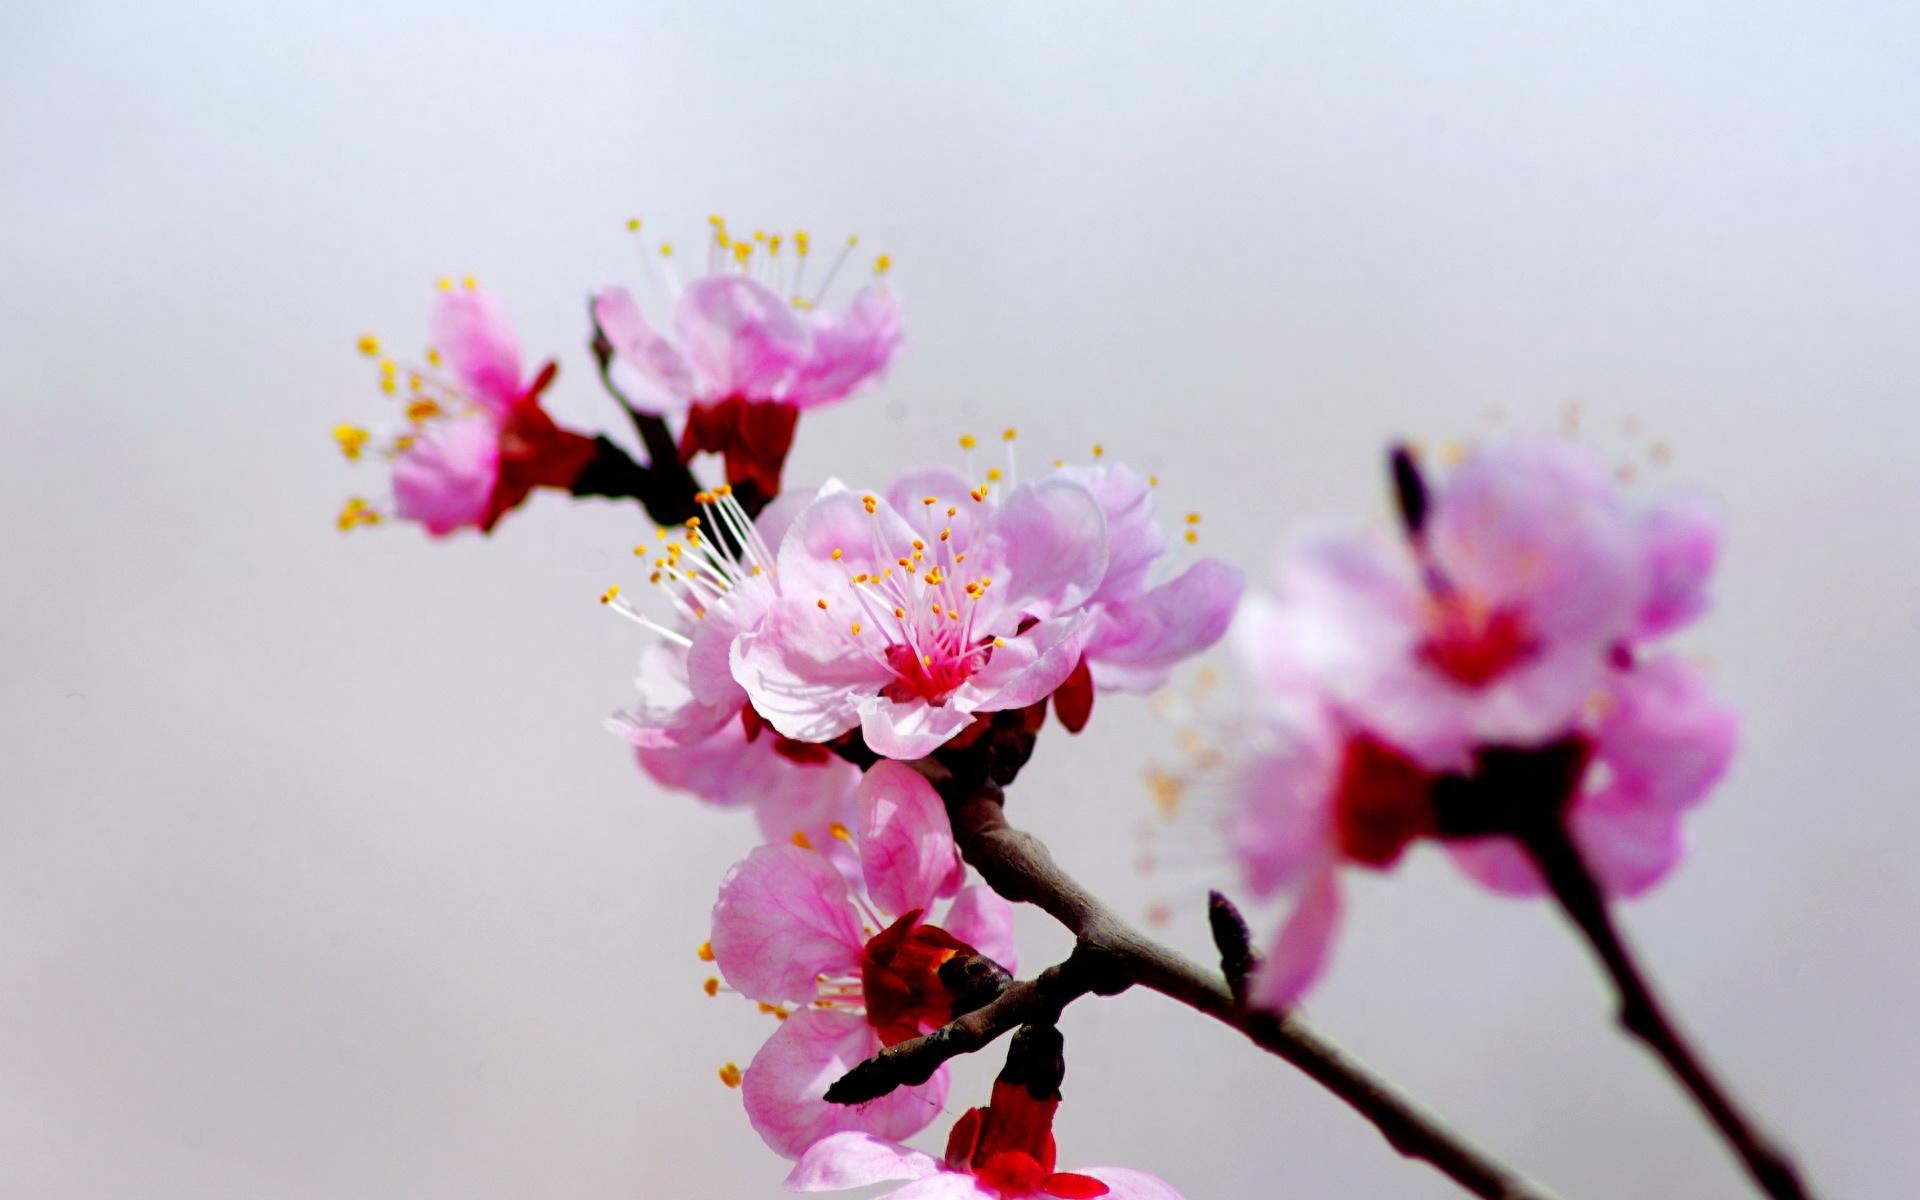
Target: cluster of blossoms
x=863 y=668
x=1489 y=671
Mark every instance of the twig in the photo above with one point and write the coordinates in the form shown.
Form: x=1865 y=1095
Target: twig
x=1113 y=954
x=1643 y=1016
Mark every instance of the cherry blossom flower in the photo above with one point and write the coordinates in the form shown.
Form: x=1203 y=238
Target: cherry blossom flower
x=857 y=956
x=751 y=350
x=1514 y=627
x=477 y=441
x=1004 y=1151
x=1139 y=632
x=906 y=615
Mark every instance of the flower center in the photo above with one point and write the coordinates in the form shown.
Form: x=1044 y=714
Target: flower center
x=1383 y=802
x=1474 y=645
x=900 y=978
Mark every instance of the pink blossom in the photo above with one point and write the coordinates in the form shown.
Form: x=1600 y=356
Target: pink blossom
x=1513 y=623
x=907 y=615
x=1139 y=632
x=478 y=442
x=749 y=352
x=790 y=927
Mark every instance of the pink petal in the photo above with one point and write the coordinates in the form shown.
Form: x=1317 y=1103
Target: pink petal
x=1124 y=1184
x=848 y=348
x=949 y=489
x=1665 y=740
x=1539 y=526
x=1682 y=543
x=855 y=1159
x=948 y=1185
x=469 y=328
x=1280 y=827
x=710 y=658
x=838 y=520
x=667 y=715
x=1031 y=666
x=803 y=672
x=648 y=369
x=1628 y=847
x=784 y=917
x=723 y=769
x=1300 y=951
x=1499 y=865
x=908 y=729
x=805 y=798
x=983 y=919
x=786 y=1085
x=741 y=337
x=1134 y=538
x=1137 y=642
x=906 y=845
x=446 y=478
x=1052 y=539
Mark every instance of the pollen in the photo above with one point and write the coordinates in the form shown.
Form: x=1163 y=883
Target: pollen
x=883 y=264
x=1153 y=481
x=801 y=840
x=1193 y=518
x=870 y=503
x=742 y=251
x=840 y=832
x=967 y=441
x=610 y=595
x=773 y=1010
x=1193 y=536
x=801 y=241
x=822 y=602
x=1099 y=451
x=633 y=224
x=854 y=629
x=705 y=952
x=352 y=440
x=422 y=410
x=356 y=512
x=445 y=284
x=469 y=283
x=993 y=476
x=666 y=249
x=999 y=642
x=930 y=501
x=711 y=987
x=836 y=554
x=900 y=613
x=369 y=345
x=1010 y=434
x=730 y=1075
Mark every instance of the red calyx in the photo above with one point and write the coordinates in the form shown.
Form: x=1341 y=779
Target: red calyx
x=1009 y=1146
x=1383 y=802
x=754 y=436
x=534 y=452
x=1073 y=699
x=900 y=978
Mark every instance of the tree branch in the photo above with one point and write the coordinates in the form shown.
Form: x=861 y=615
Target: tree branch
x=1110 y=955
x=1643 y=1016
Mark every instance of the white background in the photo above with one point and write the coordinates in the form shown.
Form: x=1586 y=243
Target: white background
x=318 y=876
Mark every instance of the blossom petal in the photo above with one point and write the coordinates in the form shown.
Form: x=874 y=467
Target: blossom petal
x=838 y=520
x=848 y=348
x=906 y=844
x=1665 y=739
x=1027 y=669
x=1052 y=539
x=1281 y=824
x=983 y=919
x=1137 y=642
x=1301 y=948
x=723 y=768
x=805 y=798
x=741 y=337
x=908 y=729
x=855 y=1159
x=785 y=1086
x=667 y=715
x=947 y=1185
x=1134 y=538
x=469 y=328
x=1125 y=1184
x=648 y=368
x=1682 y=541
x=1497 y=864
x=784 y=918
x=949 y=489
x=446 y=478
x=803 y=675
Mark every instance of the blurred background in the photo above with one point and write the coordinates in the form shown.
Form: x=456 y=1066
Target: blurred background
x=319 y=877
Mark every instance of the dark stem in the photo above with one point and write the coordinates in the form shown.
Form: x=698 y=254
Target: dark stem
x=1642 y=1015
x=1109 y=955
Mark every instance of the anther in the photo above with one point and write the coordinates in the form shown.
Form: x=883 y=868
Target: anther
x=967 y=441
x=369 y=345
x=730 y=1075
x=822 y=602
x=711 y=987
x=611 y=594
x=705 y=952
x=883 y=264
x=801 y=840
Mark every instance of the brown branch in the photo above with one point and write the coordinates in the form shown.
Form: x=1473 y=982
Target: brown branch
x=1109 y=955
x=1643 y=1016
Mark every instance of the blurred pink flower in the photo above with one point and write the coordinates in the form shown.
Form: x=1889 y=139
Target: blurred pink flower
x=1513 y=624
x=865 y=969
x=908 y=614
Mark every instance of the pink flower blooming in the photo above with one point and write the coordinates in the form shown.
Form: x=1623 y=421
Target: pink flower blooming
x=1139 y=633
x=866 y=969
x=1515 y=622
x=907 y=615
x=750 y=351
x=478 y=442
x=1002 y=1152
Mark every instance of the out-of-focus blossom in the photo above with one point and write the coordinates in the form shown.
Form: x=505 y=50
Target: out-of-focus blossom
x=1510 y=625
x=858 y=958
x=1004 y=1151
x=751 y=349
x=905 y=615
x=476 y=441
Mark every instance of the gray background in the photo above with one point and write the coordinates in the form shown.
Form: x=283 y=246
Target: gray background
x=318 y=877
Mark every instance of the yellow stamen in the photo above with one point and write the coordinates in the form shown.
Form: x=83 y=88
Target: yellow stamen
x=730 y=1075
x=801 y=840
x=705 y=952
x=611 y=594
x=633 y=224
x=369 y=345
x=352 y=440
x=711 y=987
x=967 y=442
x=840 y=831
